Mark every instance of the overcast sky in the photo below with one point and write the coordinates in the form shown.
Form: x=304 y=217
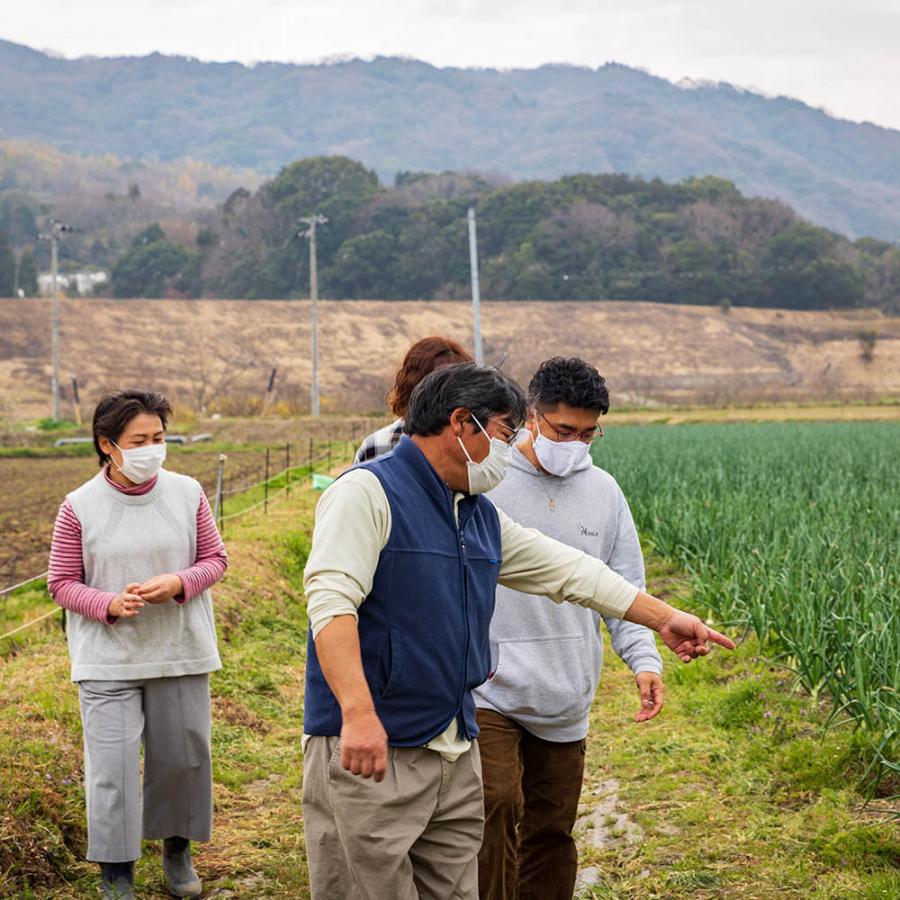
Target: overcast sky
x=836 y=54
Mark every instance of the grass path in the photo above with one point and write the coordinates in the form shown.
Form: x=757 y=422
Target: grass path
x=731 y=792
x=258 y=846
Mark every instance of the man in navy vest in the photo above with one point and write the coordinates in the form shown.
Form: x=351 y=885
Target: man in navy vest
x=400 y=582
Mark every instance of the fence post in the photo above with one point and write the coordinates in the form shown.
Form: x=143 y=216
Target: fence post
x=287 y=468
x=220 y=493
x=329 y=458
x=311 y=459
x=266 y=486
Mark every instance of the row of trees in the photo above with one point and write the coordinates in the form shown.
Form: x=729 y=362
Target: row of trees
x=108 y=200
x=584 y=237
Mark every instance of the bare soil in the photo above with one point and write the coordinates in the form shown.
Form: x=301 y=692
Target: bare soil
x=31 y=491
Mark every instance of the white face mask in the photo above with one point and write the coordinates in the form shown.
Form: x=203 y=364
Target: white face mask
x=559 y=457
x=488 y=473
x=140 y=464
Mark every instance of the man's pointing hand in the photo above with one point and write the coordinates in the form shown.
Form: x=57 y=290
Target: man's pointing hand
x=687 y=636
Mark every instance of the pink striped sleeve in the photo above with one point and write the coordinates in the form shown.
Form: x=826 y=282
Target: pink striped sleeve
x=65 y=573
x=211 y=561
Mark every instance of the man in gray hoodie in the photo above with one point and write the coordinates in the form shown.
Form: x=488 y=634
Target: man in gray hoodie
x=533 y=710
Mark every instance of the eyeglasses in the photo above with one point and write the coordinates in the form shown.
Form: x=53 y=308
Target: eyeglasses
x=566 y=434
x=508 y=439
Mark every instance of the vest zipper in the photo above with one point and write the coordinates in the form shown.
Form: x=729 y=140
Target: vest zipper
x=465 y=565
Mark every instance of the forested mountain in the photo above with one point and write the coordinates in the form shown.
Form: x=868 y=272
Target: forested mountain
x=397 y=114
x=585 y=237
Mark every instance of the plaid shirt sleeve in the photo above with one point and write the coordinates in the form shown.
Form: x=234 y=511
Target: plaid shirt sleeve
x=379 y=442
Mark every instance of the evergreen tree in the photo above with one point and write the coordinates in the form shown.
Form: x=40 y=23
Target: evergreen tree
x=28 y=273
x=151 y=267
x=7 y=266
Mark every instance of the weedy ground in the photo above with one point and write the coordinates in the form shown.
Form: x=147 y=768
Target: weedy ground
x=735 y=790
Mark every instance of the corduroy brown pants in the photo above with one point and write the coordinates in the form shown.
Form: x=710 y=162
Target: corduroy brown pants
x=531 y=791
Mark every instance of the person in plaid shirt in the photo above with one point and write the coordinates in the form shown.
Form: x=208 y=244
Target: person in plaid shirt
x=422 y=358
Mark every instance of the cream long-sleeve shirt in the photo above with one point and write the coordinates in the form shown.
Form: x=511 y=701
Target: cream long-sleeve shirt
x=353 y=524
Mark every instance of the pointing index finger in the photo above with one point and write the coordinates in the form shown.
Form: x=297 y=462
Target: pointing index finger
x=721 y=639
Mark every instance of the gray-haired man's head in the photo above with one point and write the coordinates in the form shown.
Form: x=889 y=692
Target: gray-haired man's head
x=484 y=391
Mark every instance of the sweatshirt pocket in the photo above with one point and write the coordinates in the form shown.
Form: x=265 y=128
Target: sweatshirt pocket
x=543 y=677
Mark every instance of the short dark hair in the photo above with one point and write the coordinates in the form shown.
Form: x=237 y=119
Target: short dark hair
x=422 y=358
x=571 y=381
x=483 y=390
x=116 y=410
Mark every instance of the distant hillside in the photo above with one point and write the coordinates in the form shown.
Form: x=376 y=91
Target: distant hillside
x=49 y=174
x=218 y=355
x=106 y=199
x=395 y=115
x=585 y=237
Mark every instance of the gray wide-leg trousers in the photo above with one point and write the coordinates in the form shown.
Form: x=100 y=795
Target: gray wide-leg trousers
x=171 y=716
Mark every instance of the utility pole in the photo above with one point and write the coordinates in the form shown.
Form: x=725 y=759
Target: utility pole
x=312 y=222
x=476 y=293
x=57 y=229
x=54 y=326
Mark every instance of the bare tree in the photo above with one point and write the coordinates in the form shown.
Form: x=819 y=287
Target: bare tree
x=217 y=366
x=867 y=339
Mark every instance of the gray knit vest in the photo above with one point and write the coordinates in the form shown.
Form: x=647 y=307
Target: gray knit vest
x=127 y=539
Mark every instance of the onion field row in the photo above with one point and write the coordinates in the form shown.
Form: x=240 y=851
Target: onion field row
x=791 y=530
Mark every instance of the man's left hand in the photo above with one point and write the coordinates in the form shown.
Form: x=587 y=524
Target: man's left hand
x=652 y=691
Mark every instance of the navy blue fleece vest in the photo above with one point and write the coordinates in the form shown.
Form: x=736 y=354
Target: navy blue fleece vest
x=423 y=629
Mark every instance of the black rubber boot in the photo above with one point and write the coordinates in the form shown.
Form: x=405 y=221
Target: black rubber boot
x=180 y=874
x=117 y=881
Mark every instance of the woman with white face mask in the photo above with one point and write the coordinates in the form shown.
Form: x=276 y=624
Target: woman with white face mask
x=135 y=551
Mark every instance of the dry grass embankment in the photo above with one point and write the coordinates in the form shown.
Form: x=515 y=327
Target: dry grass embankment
x=218 y=354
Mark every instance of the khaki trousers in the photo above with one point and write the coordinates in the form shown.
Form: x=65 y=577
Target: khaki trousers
x=414 y=835
x=531 y=790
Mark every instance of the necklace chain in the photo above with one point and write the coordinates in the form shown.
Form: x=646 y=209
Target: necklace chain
x=550 y=500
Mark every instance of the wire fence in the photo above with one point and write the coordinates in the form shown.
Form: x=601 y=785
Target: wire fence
x=325 y=459
x=21 y=584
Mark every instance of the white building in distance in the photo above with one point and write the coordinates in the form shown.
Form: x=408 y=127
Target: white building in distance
x=85 y=282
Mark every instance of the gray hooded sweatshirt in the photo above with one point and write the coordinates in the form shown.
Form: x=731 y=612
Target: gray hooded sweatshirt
x=546 y=657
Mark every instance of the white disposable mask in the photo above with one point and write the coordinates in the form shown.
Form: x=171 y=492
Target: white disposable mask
x=488 y=473
x=140 y=464
x=559 y=457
